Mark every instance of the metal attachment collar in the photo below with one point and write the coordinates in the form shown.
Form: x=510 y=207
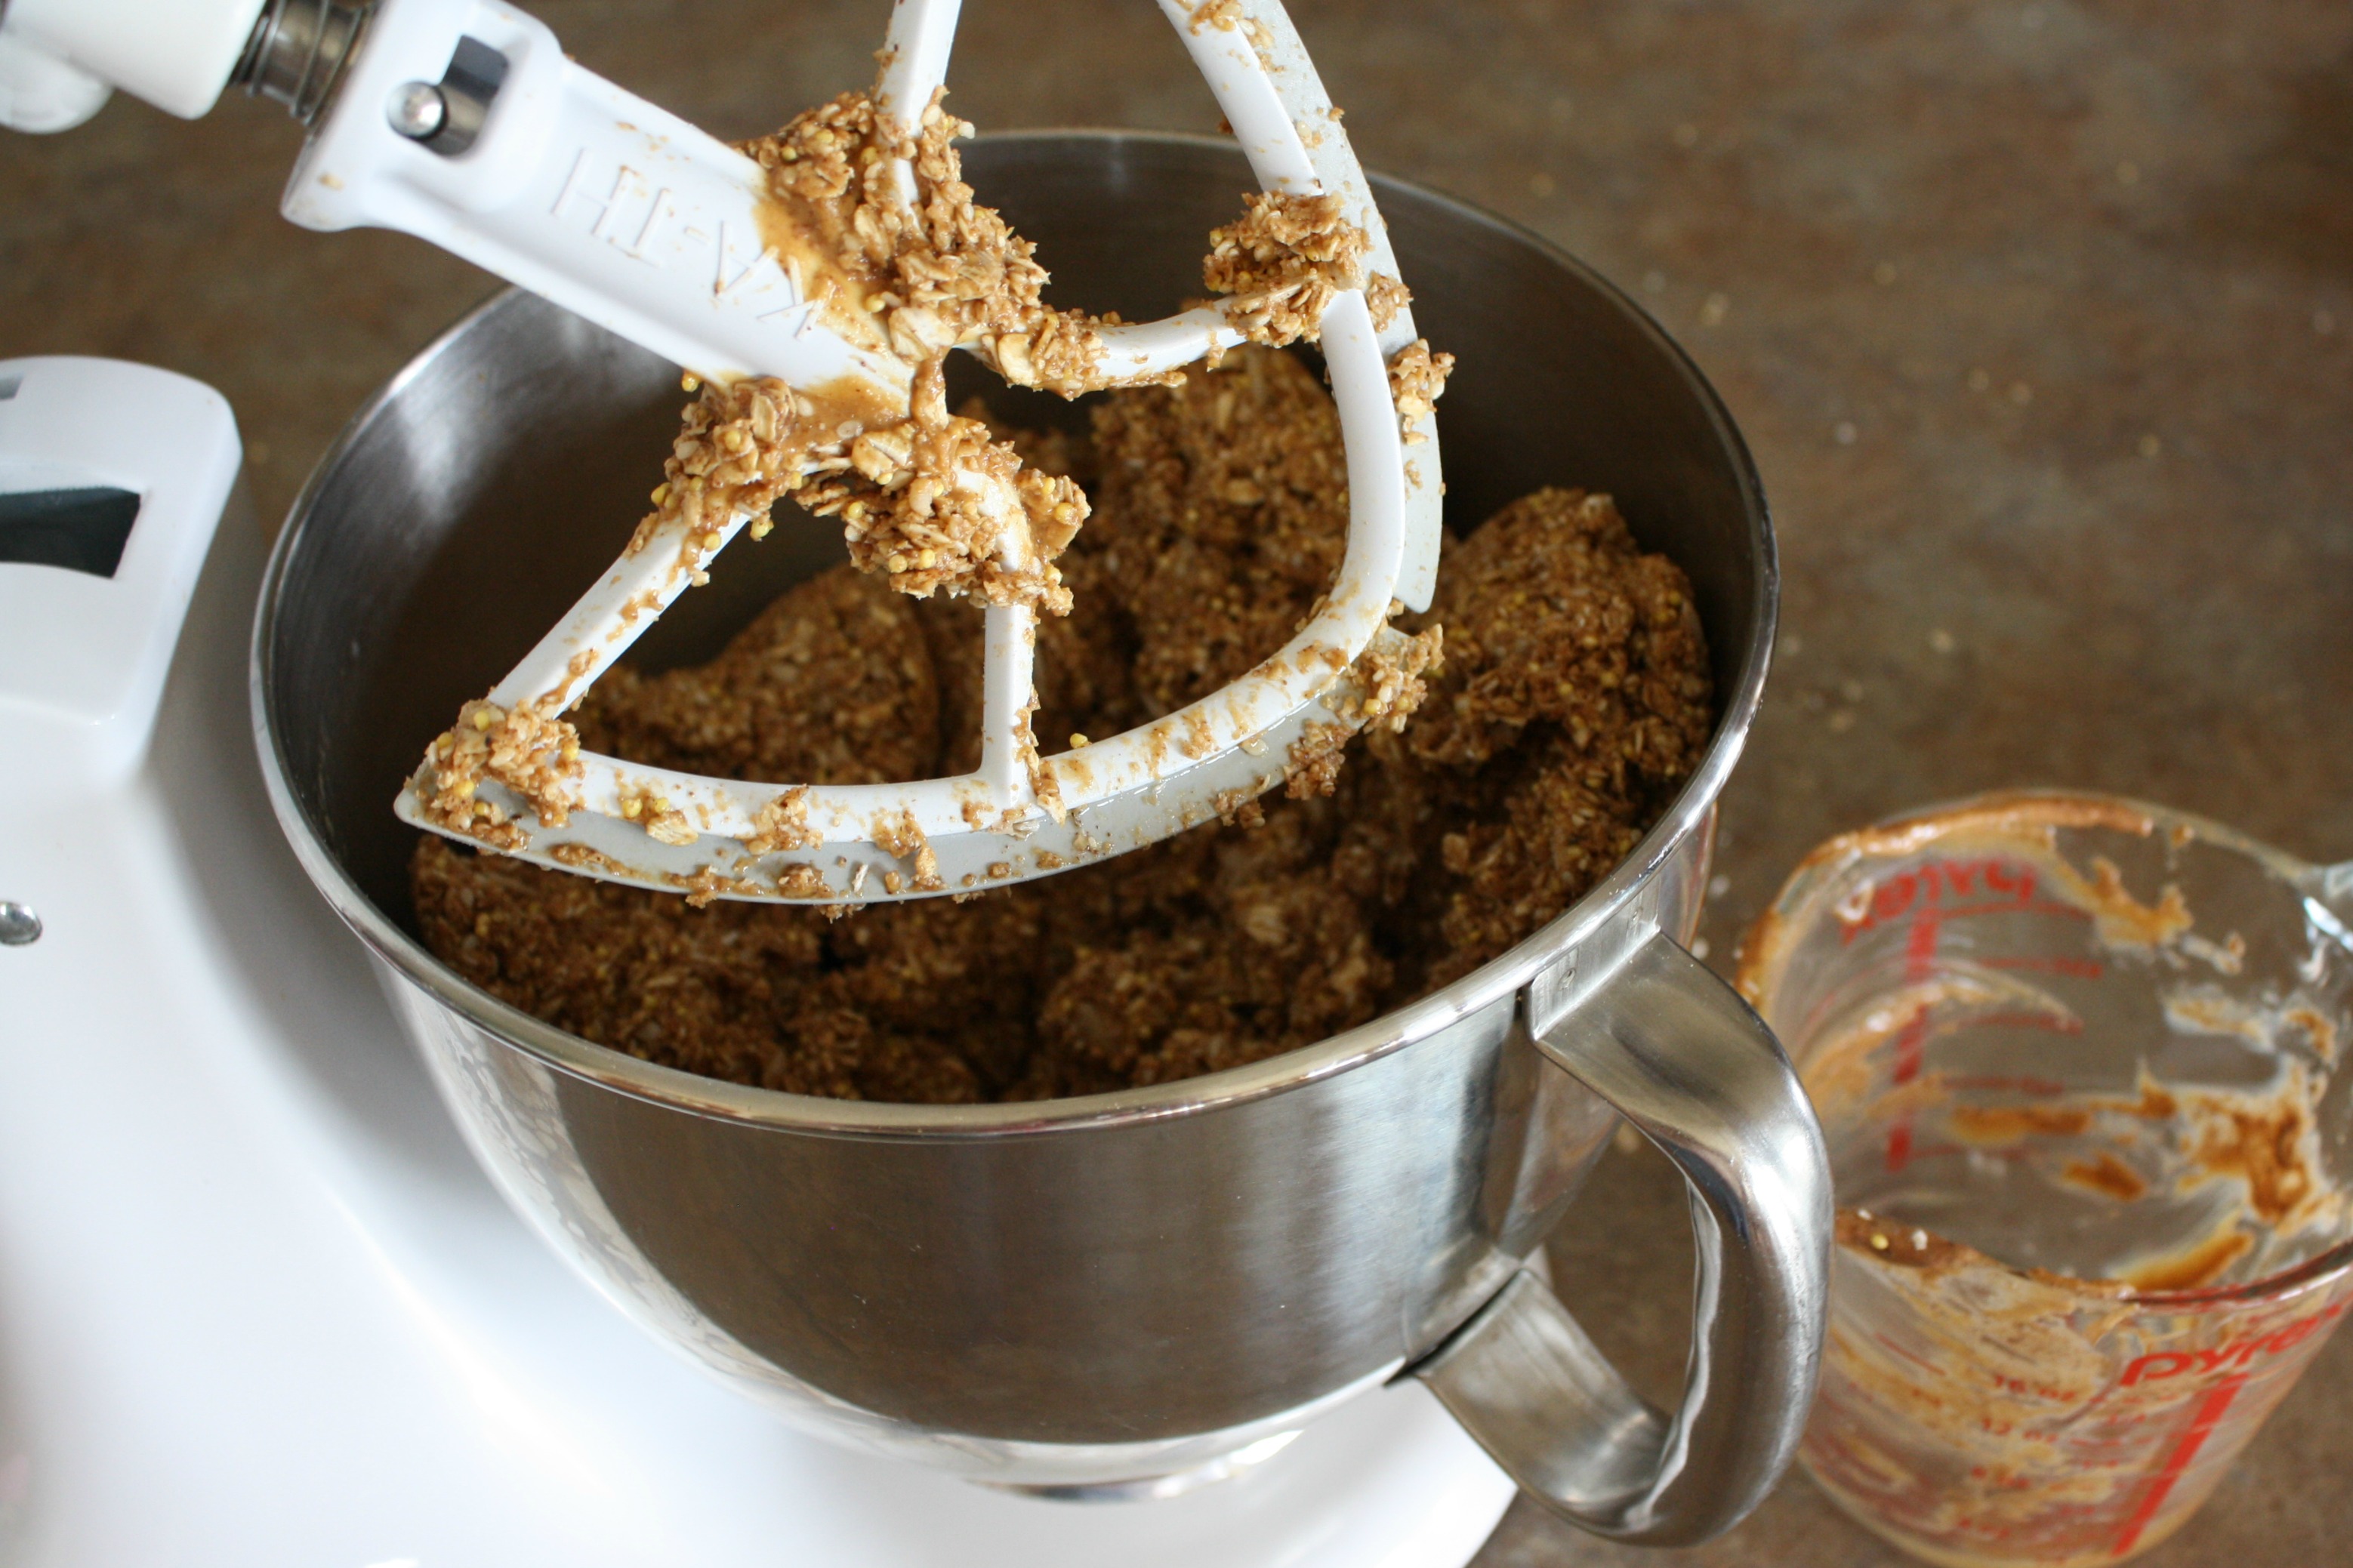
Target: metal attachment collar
x=298 y=52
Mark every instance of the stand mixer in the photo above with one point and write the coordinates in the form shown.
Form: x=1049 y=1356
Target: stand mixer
x=1143 y=1323
x=462 y=122
x=257 y=1304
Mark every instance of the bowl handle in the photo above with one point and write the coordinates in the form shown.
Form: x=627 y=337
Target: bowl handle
x=1684 y=1058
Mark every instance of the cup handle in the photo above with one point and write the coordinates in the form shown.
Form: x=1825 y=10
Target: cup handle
x=2328 y=899
x=1684 y=1058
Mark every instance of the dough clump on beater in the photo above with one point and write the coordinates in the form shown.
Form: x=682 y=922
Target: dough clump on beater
x=883 y=237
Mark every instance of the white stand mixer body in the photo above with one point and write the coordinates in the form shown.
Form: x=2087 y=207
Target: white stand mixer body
x=257 y=1304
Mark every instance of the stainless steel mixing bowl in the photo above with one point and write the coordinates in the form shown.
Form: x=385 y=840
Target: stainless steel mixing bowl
x=1092 y=1292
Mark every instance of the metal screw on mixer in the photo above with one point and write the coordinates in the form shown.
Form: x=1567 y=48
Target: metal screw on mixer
x=417 y=109
x=20 y=924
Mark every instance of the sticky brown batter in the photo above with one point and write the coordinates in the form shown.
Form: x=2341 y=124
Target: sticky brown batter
x=1573 y=700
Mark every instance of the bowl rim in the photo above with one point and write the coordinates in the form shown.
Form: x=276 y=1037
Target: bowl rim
x=1421 y=1019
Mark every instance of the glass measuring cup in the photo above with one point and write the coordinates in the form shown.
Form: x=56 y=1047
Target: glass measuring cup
x=2075 y=1062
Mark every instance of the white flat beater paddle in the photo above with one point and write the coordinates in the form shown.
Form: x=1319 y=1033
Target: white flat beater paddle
x=461 y=121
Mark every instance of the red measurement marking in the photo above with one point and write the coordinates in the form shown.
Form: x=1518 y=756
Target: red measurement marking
x=2158 y=1366
x=2022 y=907
x=1927 y=897
x=1919 y=959
x=2038 y=1086
x=2083 y=968
x=2043 y=1021
x=2202 y=1422
x=1959 y=888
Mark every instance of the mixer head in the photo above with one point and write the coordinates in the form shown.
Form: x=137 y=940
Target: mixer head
x=827 y=390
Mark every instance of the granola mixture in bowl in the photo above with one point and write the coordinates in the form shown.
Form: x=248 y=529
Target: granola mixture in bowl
x=1095 y=1285
x=1559 y=698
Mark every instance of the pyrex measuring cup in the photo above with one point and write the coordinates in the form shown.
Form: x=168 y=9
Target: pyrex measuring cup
x=2076 y=1059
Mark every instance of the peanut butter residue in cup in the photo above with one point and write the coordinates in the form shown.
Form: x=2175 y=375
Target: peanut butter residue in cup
x=2009 y=1016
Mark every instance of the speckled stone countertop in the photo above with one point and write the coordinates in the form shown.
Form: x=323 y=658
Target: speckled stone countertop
x=2038 y=316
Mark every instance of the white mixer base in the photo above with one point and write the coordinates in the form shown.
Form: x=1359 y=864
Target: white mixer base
x=258 y=1307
